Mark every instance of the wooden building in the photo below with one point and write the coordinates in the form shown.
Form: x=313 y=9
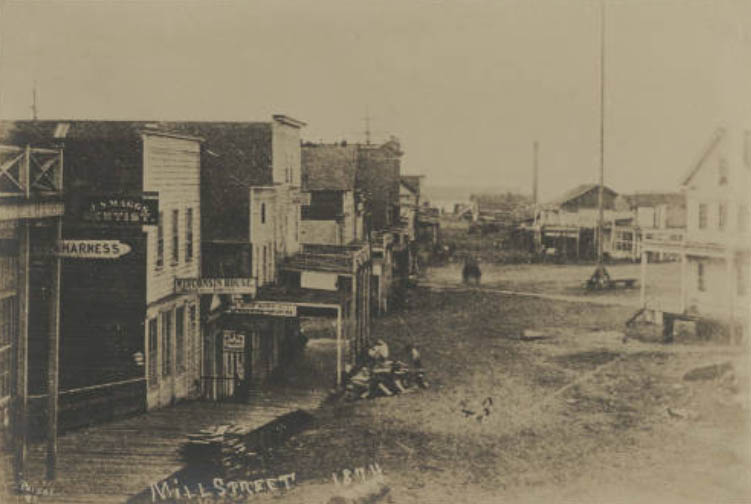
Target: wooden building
x=31 y=207
x=251 y=188
x=129 y=341
x=715 y=252
x=335 y=214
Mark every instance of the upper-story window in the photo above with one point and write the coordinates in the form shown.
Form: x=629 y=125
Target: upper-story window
x=702 y=216
x=188 y=235
x=160 y=241
x=743 y=218
x=722 y=216
x=701 y=284
x=263 y=213
x=723 y=172
x=175 y=236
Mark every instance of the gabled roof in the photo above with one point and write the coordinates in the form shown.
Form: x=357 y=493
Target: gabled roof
x=58 y=131
x=576 y=192
x=412 y=182
x=655 y=199
x=713 y=142
x=329 y=167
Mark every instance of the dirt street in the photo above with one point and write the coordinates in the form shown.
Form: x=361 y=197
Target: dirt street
x=577 y=415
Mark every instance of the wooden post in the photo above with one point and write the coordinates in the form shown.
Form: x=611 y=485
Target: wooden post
x=732 y=286
x=22 y=362
x=338 y=346
x=26 y=177
x=684 y=285
x=643 y=283
x=53 y=359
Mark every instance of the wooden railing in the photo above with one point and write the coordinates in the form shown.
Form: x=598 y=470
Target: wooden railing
x=30 y=172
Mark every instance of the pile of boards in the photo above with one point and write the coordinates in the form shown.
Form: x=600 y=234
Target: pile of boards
x=222 y=447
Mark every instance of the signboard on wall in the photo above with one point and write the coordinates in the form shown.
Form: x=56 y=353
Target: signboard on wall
x=268 y=308
x=302 y=198
x=215 y=285
x=119 y=209
x=233 y=340
x=92 y=249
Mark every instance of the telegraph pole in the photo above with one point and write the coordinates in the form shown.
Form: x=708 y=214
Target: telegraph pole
x=34 y=102
x=600 y=277
x=600 y=216
x=536 y=149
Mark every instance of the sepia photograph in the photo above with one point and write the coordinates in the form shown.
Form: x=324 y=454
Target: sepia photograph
x=375 y=252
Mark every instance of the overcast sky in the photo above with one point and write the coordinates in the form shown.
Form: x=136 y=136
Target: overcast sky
x=467 y=86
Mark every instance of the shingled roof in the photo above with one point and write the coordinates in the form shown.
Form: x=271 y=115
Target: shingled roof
x=329 y=167
x=576 y=192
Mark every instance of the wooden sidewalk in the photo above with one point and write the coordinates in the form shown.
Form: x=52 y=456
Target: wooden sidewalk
x=114 y=461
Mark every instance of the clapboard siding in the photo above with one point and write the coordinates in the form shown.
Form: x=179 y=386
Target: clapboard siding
x=172 y=168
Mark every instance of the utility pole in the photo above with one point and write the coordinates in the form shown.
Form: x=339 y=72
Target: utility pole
x=601 y=212
x=536 y=149
x=600 y=278
x=34 y=101
x=367 y=127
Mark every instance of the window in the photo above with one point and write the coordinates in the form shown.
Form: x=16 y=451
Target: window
x=8 y=315
x=722 y=216
x=160 y=241
x=166 y=343
x=702 y=216
x=180 y=339
x=193 y=341
x=743 y=218
x=743 y=278
x=188 y=235
x=701 y=284
x=153 y=350
x=175 y=236
x=263 y=213
x=723 y=172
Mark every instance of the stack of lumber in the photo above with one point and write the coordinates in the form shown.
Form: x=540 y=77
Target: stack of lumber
x=222 y=447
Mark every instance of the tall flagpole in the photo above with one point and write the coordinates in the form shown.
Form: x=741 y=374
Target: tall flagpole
x=600 y=216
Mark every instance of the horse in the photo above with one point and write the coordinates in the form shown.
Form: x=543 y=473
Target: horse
x=471 y=271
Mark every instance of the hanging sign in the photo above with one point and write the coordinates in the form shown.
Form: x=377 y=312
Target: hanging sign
x=142 y=209
x=92 y=249
x=234 y=340
x=268 y=308
x=215 y=285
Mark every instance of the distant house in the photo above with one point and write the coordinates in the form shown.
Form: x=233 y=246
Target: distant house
x=378 y=178
x=409 y=202
x=653 y=216
x=335 y=213
x=568 y=223
x=716 y=250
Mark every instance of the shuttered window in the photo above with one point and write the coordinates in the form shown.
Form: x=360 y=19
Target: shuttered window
x=702 y=216
x=180 y=339
x=166 y=343
x=722 y=216
x=175 y=236
x=188 y=235
x=160 y=241
x=153 y=352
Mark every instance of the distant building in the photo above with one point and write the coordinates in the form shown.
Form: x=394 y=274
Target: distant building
x=715 y=252
x=653 y=215
x=569 y=223
x=335 y=212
